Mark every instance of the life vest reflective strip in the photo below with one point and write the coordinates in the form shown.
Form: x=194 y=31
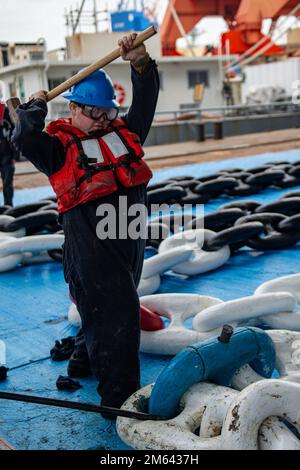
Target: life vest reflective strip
x=83 y=179
x=131 y=169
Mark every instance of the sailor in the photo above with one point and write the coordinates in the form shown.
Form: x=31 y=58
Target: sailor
x=93 y=159
x=7 y=154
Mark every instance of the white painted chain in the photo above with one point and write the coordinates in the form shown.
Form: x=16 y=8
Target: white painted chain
x=287 y=347
x=255 y=309
x=73 y=315
x=183 y=254
x=227 y=419
x=14 y=251
x=201 y=261
x=209 y=314
x=177 y=308
x=156 y=265
x=2 y=353
x=290 y=284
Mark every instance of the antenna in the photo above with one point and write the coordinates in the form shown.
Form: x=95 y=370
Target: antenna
x=85 y=19
x=75 y=25
x=95 y=16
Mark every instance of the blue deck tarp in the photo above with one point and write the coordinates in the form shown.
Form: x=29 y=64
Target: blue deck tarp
x=34 y=304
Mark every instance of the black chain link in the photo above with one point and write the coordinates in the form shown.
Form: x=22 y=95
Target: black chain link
x=279 y=222
x=231 y=182
x=237 y=223
x=250 y=224
x=38 y=217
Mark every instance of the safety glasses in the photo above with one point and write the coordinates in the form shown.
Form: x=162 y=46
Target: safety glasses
x=93 y=112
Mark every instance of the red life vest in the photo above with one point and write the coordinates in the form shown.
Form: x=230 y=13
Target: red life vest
x=93 y=164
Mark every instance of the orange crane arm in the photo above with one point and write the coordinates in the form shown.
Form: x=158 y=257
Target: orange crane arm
x=245 y=16
x=190 y=13
x=251 y=12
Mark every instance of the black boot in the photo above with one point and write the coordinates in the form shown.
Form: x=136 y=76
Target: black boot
x=116 y=397
x=79 y=364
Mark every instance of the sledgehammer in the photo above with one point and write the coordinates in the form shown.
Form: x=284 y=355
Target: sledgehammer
x=13 y=103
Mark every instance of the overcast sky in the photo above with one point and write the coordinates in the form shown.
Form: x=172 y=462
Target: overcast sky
x=29 y=20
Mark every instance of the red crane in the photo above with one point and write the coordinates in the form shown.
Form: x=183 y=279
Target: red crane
x=244 y=19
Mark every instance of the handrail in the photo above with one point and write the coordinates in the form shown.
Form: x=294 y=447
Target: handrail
x=238 y=110
x=228 y=108
x=231 y=111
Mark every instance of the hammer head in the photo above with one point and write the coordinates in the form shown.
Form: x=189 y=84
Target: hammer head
x=12 y=105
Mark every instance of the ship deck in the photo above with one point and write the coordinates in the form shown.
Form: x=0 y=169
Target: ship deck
x=33 y=308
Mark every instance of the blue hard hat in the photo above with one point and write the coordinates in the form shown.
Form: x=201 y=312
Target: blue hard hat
x=95 y=90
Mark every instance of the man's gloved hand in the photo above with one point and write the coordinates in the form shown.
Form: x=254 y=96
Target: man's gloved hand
x=138 y=57
x=39 y=95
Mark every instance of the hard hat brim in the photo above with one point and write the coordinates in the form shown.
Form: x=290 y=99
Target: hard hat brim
x=84 y=100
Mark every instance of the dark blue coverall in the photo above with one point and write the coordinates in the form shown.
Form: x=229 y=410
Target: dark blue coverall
x=103 y=275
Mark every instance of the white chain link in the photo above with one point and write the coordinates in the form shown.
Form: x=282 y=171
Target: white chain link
x=227 y=419
x=14 y=250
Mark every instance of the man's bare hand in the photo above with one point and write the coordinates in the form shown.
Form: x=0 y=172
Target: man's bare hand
x=126 y=49
x=39 y=95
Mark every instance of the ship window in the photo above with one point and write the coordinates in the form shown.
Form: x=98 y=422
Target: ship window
x=12 y=90
x=5 y=59
x=198 y=76
x=22 y=88
x=36 y=55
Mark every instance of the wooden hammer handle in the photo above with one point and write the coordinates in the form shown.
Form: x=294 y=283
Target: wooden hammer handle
x=115 y=54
